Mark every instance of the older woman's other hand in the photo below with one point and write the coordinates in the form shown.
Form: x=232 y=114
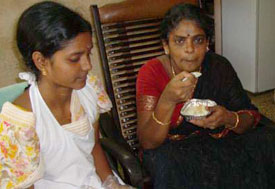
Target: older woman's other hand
x=219 y=116
x=178 y=90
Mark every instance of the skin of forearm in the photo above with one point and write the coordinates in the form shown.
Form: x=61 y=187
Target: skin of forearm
x=245 y=123
x=102 y=167
x=101 y=164
x=163 y=112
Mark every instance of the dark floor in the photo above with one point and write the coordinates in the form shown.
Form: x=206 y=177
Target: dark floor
x=265 y=103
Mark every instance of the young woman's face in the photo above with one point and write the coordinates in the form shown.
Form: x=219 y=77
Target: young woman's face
x=69 y=66
x=187 y=45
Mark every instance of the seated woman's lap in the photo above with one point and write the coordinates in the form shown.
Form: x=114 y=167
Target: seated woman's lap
x=204 y=162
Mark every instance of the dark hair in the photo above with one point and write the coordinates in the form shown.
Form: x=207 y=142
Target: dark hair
x=46 y=27
x=185 y=11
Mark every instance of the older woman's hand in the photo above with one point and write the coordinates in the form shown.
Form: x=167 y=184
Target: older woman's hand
x=219 y=116
x=178 y=90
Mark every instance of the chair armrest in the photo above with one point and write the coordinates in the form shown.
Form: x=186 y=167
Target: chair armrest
x=129 y=162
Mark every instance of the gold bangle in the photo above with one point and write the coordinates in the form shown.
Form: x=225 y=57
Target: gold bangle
x=237 y=121
x=159 y=122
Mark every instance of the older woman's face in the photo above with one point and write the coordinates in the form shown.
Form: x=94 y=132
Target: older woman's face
x=187 y=45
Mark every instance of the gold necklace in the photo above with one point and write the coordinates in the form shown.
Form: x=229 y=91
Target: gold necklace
x=172 y=68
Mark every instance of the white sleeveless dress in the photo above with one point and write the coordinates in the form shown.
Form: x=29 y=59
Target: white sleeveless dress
x=67 y=153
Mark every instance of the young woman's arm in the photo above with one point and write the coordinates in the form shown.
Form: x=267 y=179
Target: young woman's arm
x=102 y=167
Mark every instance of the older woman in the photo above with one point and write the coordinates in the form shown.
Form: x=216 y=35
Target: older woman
x=223 y=150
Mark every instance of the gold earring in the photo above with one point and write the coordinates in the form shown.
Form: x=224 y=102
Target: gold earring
x=43 y=71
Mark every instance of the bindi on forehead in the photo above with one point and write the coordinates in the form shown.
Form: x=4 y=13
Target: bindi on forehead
x=188 y=31
x=186 y=35
x=188 y=28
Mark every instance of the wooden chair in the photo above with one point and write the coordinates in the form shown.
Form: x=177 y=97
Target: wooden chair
x=127 y=35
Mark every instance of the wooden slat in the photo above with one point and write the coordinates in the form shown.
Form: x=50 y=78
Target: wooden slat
x=137 y=9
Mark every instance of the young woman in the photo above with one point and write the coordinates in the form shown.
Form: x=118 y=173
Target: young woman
x=49 y=136
x=223 y=150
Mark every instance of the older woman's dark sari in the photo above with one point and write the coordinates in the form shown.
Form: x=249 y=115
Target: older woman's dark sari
x=201 y=158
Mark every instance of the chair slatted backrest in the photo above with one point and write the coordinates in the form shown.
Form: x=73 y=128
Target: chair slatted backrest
x=128 y=35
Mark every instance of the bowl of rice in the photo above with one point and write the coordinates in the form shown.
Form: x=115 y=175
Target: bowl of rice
x=196 y=108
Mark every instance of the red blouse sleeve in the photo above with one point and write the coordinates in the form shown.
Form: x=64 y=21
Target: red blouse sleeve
x=152 y=79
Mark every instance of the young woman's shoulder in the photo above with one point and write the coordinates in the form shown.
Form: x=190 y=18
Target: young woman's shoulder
x=23 y=101
x=19 y=144
x=95 y=85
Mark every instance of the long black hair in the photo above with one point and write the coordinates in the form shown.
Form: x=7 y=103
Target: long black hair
x=46 y=27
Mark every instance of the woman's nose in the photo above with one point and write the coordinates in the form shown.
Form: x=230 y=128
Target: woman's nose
x=86 y=64
x=189 y=46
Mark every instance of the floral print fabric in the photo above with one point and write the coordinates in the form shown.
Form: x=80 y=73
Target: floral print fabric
x=104 y=102
x=19 y=147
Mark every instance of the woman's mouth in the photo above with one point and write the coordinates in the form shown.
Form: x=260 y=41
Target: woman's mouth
x=189 y=60
x=82 y=78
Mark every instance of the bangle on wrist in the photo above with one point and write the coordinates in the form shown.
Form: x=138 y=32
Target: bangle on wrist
x=237 y=121
x=158 y=121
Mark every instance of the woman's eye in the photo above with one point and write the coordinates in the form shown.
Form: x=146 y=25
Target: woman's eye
x=74 y=60
x=179 y=41
x=199 y=40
